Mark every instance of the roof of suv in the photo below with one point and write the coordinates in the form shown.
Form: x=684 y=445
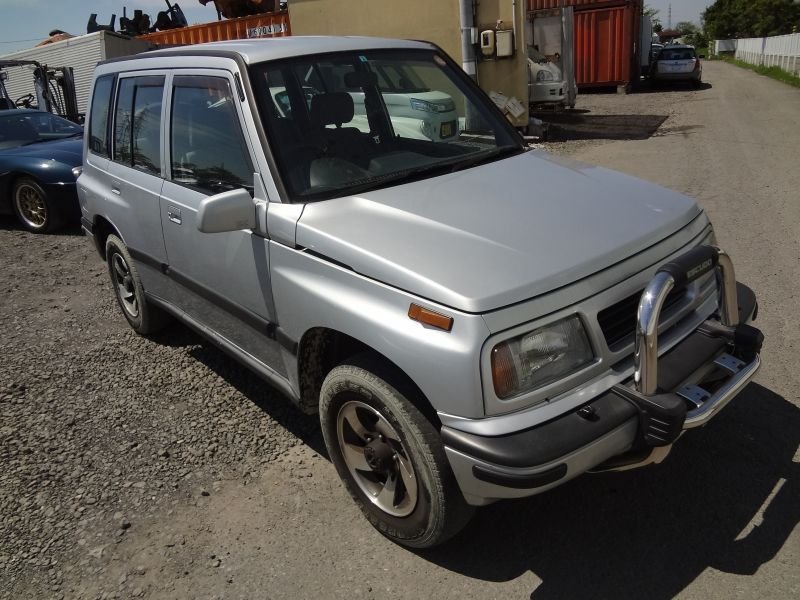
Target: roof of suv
x=254 y=51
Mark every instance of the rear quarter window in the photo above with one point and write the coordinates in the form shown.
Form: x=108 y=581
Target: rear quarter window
x=98 y=117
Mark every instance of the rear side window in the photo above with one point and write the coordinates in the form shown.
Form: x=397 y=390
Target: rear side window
x=137 y=123
x=98 y=118
x=207 y=147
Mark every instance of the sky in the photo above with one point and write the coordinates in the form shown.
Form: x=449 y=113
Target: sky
x=682 y=10
x=25 y=22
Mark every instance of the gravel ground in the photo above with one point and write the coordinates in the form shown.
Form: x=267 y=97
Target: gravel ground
x=100 y=427
x=161 y=469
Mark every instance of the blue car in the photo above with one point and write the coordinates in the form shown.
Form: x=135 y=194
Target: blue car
x=40 y=158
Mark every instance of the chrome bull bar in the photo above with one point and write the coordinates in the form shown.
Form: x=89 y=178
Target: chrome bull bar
x=677 y=275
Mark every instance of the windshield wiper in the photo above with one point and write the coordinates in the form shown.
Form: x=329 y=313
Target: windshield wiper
x=406 y=175
x=366 y=184
x=55 y=139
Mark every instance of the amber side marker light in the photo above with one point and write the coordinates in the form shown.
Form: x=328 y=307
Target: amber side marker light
x=429 y=317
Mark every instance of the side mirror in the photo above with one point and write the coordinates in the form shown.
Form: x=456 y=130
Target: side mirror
x=228 y=211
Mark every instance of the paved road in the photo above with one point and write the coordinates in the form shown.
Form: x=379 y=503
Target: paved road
x=717 y=520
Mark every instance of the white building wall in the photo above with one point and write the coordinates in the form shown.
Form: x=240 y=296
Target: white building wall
x=81 y=53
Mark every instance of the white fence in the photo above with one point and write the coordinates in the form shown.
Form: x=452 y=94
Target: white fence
x=780 y=51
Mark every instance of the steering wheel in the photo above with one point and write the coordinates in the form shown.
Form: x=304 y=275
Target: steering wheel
x=25 y=101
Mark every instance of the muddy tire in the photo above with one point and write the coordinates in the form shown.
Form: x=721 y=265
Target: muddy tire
x=389 y=456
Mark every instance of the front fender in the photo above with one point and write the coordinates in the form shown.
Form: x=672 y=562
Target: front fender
x=45 y=171
x=312 y=292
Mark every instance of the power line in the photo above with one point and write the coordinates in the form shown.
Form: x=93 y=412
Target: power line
x=20 y=41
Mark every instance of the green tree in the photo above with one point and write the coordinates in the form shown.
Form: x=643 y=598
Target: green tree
x=692 y=34
x=651 y=12
x=726 y=19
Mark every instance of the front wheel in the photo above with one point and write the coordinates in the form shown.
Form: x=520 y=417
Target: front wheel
x=390 y=457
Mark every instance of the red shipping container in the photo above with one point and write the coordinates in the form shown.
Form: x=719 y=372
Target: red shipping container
x=266 y=25
x=606 y=37
x=578 y=4
x=605 y=47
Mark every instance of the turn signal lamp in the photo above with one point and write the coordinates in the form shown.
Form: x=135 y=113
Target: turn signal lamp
x=429 y=317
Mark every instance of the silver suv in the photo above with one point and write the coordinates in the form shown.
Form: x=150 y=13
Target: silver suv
x=471 y=319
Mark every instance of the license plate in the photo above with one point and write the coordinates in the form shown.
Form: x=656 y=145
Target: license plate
x=448 y=129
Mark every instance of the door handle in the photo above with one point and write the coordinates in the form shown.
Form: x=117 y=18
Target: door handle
x=115 y=190
x=174 y=215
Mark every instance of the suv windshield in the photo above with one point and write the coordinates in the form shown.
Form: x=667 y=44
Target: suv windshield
x=344 y=123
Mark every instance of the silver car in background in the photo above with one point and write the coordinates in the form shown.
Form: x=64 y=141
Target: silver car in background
x=677 y=63
x=471 y=319
x=546 y=84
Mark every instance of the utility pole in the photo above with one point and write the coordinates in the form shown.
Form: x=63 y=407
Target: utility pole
x=669 y=19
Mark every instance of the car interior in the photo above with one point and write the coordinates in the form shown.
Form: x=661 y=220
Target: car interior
x=322 y=144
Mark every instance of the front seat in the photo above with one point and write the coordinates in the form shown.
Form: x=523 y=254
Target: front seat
x=347 y=143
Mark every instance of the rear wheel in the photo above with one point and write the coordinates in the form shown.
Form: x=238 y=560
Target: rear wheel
x=141 y=315
x=390 y=457
x=32 y=207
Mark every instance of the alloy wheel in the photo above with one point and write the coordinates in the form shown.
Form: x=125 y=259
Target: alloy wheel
x=31 y=206
x=126 y=289
x=376 y=458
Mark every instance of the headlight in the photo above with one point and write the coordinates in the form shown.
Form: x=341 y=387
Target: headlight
x=539 y=357
x=544 y=76
x=426 y=106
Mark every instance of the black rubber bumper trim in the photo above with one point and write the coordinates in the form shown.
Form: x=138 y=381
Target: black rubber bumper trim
x=547 y=442
x=245 y=315
x=520 y=482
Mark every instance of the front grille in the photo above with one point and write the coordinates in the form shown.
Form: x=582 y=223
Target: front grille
x=618 y=321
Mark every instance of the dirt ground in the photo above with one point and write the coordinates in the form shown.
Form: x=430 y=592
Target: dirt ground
x=133 y=468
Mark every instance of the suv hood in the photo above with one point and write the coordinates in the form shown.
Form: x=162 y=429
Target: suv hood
x=494 y=235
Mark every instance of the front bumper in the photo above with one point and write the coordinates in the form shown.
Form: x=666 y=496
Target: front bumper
x=547 y=92
x=634 y=423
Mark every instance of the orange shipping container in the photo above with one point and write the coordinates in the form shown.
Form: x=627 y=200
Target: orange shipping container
x=578 y=4
x=265 y=25
x=605 y=47
x=606 y=37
